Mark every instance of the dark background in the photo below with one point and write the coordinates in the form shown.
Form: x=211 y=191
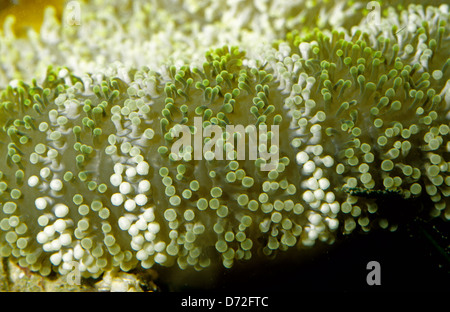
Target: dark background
x=413 y=258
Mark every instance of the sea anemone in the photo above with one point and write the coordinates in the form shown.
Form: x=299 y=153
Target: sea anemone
x=90 y=177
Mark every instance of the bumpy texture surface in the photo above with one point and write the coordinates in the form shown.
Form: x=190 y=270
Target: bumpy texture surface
x=89 y=178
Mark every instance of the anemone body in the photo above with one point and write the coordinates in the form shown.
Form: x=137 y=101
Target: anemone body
x=90 y=179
